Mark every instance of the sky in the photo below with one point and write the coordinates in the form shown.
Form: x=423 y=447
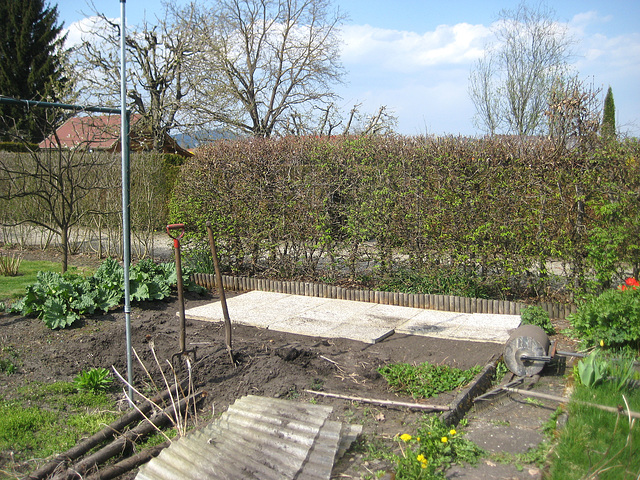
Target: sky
x=414 y=57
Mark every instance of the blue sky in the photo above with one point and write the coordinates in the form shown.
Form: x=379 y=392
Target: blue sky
x=415 y=56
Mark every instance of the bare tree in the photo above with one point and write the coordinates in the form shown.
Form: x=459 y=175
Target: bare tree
x=157 y=63
x=266 y=59
x=482 y=90
x=329 y=120
x=573 y=114
x=54 y=187
x=510 y=86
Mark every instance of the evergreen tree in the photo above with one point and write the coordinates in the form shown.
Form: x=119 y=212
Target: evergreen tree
x=30 y=65
x=609 y=116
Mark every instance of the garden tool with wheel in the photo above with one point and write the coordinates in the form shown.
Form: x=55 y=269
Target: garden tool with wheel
x=176 y=231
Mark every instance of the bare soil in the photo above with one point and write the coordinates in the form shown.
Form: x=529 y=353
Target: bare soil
x=269 y=363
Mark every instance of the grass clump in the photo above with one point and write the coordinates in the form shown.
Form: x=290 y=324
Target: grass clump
x=426 y=380
x=9 y=265
x=47 y=419
x=595 y=443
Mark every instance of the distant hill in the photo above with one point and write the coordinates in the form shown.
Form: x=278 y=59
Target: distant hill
x=193 y=140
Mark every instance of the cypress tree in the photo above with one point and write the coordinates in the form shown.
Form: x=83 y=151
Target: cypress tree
x=30 y=65
x=609 y=115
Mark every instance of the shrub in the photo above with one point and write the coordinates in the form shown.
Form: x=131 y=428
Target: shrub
x=535 y=315
x=9 y=265
x=612 y=318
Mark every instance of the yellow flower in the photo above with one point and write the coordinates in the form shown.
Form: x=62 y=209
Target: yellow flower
x=421 y=458
x=405 y=437
x=424 y=465
x=602 y=343
x=444 y=439
x=418 y=439
x=452 y=432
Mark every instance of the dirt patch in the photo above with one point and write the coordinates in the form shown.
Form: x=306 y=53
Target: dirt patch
x=269 y=363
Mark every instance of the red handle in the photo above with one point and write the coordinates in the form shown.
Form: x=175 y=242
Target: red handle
x=176 y=226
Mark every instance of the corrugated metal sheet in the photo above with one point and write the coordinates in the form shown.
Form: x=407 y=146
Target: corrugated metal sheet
x=257 y=438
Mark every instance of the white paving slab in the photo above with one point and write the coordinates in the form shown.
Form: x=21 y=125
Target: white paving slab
x=362 y=321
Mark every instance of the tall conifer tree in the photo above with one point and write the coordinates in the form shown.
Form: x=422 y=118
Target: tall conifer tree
x=30 y=64
x=609 y=115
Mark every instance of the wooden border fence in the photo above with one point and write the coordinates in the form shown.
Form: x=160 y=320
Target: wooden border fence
x=447 y=303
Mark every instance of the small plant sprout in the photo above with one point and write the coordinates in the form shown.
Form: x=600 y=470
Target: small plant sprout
x=95 y=380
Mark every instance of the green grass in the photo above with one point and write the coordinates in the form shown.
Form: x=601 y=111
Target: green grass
x=15 y=287
x=47 y=419
x=595 y=443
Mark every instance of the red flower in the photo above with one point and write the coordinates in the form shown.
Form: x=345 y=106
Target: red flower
x=631 y=282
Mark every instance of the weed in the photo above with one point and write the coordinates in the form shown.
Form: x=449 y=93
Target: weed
x=95 y=380
x=533 y=401
x=426 y=380
x=317 y=385
x=8 y=360
x=433 y=449
x=501 y=371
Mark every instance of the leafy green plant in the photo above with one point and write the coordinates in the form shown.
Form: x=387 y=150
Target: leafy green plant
x=61 y=299
x=535 y=315
x=592 y=370
x=433 y=449
x=612 y=318
x=426 y=380
x=95 y=380
x=621 y=370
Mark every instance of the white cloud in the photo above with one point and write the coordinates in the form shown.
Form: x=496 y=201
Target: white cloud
x=406 y=51
x=82 y=30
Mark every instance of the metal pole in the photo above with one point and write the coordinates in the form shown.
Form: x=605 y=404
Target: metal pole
x=126 y=238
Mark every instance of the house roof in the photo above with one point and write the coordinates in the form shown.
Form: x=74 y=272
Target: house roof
x=99 y=132
x=102 y=132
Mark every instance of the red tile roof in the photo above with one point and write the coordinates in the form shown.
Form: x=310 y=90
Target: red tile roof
x=101 y=132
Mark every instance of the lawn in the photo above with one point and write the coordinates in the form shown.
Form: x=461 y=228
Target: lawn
x=596 y=443
x=12 y=287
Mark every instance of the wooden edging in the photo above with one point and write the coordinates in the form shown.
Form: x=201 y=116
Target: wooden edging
x=464 y=401
x=448 y=303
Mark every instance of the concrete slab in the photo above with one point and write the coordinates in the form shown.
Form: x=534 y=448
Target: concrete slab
x=362 y=321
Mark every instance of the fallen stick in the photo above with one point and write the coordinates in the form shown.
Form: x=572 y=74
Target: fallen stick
x=391 y=403
x=127 y=440
x=556 y=398
x=109 y=431
x=128 y=464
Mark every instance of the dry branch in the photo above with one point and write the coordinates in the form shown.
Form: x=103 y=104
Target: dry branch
x=125 y=441
x=129 y=464
x=391 y=403
x=556 y=398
